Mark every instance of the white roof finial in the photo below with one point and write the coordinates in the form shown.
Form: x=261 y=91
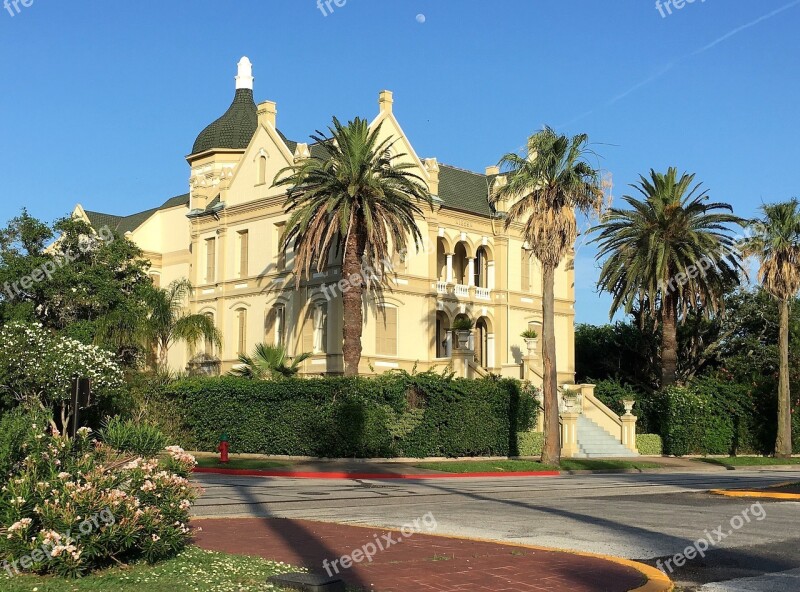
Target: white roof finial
x=244 y=79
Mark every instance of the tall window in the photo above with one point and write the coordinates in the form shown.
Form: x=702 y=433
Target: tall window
x=280 y=262
x=262 y=170
x=386 y=334
x=275 y=326
x=321 y=328
x=241 y=320
x=315 y=329
x=211 y=260
x=244 y=246
x=526 y=270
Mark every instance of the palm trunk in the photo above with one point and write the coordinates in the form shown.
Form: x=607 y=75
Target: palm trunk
x=551 y=451
x=353 y=324
x=669 y=342
x=783 y=444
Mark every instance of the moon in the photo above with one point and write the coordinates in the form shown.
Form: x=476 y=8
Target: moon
x=421 y=19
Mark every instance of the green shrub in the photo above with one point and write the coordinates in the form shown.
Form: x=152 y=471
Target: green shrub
x=73 y=506
x=649 y=444
x=709 y=416
x=395 y=414
x=15 y=428
x=530 y=443
x=142 y=439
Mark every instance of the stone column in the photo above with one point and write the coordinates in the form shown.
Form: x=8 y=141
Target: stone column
x=449 y=268
x=569 y=434
x=471 y=271
x=629 y=432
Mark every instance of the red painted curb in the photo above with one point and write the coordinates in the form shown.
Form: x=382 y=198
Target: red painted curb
x=370 y=476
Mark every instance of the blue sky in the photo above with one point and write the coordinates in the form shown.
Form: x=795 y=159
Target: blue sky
x=101 y=101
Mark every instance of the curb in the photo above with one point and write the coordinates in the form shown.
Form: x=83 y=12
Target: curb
x=794 y=497
x=365 y=476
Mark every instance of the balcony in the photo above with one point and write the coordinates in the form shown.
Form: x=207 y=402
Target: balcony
x=483 y=294
x=463 y=291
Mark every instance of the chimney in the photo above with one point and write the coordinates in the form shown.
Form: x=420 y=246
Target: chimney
x=267 y=113
x=385 y=101
x=492 y=171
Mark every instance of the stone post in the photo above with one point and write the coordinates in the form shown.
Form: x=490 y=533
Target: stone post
x=461 y=360
x=629 y=427
x=569 y=434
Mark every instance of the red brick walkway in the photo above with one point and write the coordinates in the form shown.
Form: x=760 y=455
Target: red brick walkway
x=420 y=563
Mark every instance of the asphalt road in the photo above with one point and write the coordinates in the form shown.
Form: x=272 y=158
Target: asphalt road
x=646 y=517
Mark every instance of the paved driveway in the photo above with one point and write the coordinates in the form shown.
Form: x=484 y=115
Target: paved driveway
x=646 y=517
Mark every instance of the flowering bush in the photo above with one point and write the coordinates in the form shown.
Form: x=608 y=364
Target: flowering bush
x=35 y=363
x=72 y=506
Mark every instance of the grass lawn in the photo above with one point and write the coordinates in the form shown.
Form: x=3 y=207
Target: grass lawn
x=212 y=462
x=750 y=461
x=521 y=466
x=194 y=569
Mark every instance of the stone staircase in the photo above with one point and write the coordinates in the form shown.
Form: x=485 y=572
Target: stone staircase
x=595 y=442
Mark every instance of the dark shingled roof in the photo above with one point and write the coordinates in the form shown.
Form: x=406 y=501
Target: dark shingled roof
x=464 y=190
x=234 y=129
x=123 y=224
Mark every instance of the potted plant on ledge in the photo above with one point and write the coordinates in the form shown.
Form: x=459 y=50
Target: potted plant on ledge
x=462 y=327
x=531 y=338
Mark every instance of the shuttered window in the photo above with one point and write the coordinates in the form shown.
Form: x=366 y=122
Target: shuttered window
x=280 y=259
x=386 y=342
x=211 y=260
x=241 y=319
x=308 y=331
x=244 y=248
x=526 y=270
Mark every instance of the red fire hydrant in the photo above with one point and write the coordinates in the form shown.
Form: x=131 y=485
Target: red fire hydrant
x=223 y=448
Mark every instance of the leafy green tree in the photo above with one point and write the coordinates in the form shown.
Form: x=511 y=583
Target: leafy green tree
x=76 y=283
x=672 y=252
x=545 y=186
x=625 y=351
x=775 y=241
x=358 y=201
x=269 y=362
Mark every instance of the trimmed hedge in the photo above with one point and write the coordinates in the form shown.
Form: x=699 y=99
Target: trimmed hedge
x=649 y=444
x=392 y=415
x=712 y=416
x=530 y=443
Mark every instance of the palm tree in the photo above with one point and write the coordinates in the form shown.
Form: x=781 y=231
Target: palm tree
x=269 y=362
x=359 y=198
x=550 y=182
x=670 y=253
x=168 y=322
x=775 y=241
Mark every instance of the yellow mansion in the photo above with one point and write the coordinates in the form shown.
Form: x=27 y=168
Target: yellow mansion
x=224 y=236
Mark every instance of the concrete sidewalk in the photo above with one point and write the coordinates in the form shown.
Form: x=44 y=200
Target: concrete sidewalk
x=423 y=562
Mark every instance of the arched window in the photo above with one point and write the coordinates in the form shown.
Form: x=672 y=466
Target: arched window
x=241 y=321
x=315 y=329
x=262 y=169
